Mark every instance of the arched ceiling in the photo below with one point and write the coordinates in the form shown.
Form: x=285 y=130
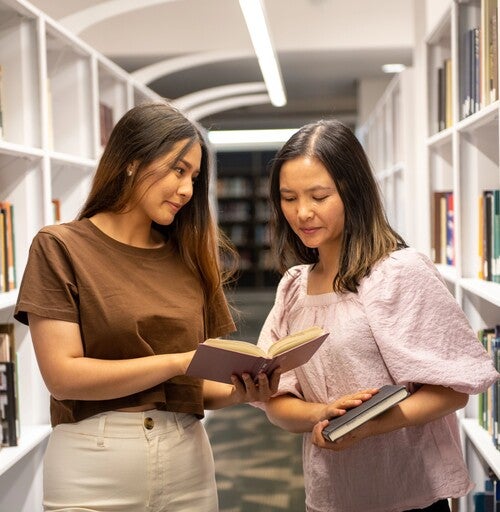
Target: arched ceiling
x=181 y=47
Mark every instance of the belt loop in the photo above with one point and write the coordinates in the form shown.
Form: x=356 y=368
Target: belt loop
x=180 y=428
x=100 y=431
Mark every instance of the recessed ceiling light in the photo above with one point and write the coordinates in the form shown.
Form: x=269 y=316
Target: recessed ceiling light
x=393 y=68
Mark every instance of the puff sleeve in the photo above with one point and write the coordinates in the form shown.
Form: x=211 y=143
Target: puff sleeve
x=421 y=331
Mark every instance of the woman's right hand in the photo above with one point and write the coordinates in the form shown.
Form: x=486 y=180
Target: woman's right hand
x=342 y=404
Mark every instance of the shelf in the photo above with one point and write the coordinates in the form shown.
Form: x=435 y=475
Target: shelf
x=18 y=150
x=482 y=443
x=8 y=299
x=448 y=272
x=31 y=436
x=487 y=290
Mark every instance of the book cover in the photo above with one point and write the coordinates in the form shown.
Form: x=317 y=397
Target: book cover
x=218 y=359
x=8 y=412
x=387 y=396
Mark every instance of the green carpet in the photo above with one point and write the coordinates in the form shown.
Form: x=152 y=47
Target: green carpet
x=258 y=466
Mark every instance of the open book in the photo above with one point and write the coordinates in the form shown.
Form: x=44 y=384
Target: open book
x=386 y=397
x=217 y=359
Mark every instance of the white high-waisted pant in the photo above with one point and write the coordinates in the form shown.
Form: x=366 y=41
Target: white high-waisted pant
x=152 y=461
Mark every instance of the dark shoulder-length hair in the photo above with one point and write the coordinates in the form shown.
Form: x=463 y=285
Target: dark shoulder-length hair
x=143 y=134
x=367 y=235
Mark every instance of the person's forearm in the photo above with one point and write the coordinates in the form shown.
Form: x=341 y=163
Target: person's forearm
x=217 y=395
x=85 y=378
x=427 y=404
x=293 y=414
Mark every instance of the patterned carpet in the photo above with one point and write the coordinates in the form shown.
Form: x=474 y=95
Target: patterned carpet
x=258 y=466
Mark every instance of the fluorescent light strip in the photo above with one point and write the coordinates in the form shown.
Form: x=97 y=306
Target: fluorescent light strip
x=253 y=12
x=238 y=137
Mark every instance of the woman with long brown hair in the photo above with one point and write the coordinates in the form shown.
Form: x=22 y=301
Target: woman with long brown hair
x=117 y=301
x=391 y=320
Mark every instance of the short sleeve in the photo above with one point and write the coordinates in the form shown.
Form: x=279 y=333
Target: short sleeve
x=276 y=326
x=421 y=331
x=48 y=287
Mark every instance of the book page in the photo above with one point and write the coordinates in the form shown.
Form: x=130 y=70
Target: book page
x=295 y=339
x=243 y=347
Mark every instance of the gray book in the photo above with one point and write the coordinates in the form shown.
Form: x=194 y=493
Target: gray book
x=387 y=396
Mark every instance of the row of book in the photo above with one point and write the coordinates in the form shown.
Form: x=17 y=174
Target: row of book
x=489 y=401
x=489 y=235
x=443 y=250
x=443 y=246
x=488 y=500
x=479 y=61
x=477 y=66
x=9 y=403
x=7 y=247
x=444 y=102
x=234 y=187
x=8 y=274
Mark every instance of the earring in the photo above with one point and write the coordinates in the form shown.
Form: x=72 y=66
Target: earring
x=129 y=172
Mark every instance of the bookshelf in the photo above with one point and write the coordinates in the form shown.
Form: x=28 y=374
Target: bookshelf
x=388 y=139
x=463 y=158
x=243 y=212
x=52 y=86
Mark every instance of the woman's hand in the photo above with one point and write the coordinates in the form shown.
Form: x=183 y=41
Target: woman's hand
x=261 y=390
x=338 y=408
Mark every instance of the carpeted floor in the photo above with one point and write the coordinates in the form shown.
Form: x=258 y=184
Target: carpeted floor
x=258 y=466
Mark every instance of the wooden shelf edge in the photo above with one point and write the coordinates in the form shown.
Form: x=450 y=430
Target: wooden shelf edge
x=31 y=436
x=482 y=442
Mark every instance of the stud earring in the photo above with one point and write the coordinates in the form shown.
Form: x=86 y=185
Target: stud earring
x=129 y=172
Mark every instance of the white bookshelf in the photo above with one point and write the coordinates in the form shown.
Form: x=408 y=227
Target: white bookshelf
x=388 y=138
x=464 y=157
x=52 y=85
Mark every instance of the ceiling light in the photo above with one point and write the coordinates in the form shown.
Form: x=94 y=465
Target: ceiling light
x=228 y=138
x=393 y=68
x=255 y=19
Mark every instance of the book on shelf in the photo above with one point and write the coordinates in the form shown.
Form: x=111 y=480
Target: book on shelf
x=489 y=400
x=1 y=103
x=450 y=230
x=9 y=404
x=387 y=396
x=217 y=359
x=105 y=122
x=489 y=51
x=440 y=233
x=495 y=272
x=8 y=240
x=489 y=235
x=56 y=210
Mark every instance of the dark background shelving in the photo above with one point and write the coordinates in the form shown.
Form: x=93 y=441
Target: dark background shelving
x=243 y=213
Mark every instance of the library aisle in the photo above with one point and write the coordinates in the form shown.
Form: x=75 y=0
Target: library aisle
x=258 y=466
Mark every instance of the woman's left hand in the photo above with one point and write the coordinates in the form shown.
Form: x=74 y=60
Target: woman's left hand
x=260 y=390
x=343 y=442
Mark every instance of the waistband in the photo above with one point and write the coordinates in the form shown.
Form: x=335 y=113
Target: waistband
x=131 y=424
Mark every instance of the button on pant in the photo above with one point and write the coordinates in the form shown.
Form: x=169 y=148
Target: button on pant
x=152 y=461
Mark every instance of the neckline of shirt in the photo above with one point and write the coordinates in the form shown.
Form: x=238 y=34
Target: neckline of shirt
x=152 y=253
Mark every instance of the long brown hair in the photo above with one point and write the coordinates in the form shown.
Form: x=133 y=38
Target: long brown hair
x=143 y=134
x=367 y=235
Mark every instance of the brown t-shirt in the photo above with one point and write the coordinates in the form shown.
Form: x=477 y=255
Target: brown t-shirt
x=129 y=302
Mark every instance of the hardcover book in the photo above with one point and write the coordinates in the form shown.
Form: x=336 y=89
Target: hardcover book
x=217 y=359
x=386 y=397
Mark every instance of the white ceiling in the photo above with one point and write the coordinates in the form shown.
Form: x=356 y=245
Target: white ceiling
x=324 y=48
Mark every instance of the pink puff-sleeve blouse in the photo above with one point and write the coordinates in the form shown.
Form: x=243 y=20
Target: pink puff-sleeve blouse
x=403 y=326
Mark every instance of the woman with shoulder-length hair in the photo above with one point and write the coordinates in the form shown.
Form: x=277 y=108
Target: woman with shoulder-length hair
x=391 y=320
x=117 y=302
